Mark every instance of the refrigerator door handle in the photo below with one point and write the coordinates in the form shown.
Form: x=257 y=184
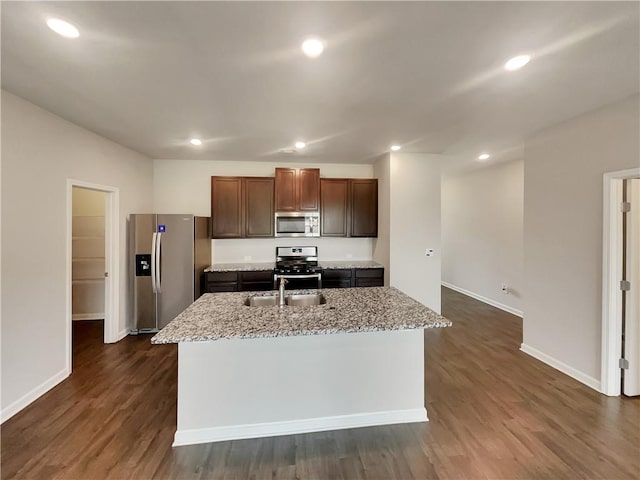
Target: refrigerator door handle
x=153 y=262
x=158 y=267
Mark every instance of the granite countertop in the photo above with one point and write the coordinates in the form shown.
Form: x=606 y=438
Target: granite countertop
x=260 y=266
x=216 y=316
x=331 y=265
x=240 y=267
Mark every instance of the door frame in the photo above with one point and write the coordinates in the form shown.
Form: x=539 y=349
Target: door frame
x=112 y=261
x=612 y=254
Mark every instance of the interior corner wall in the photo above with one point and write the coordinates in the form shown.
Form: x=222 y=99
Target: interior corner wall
x=381 y=171
x=40 y=151
x=482 y=233
x=414 y=226
x=563 y=215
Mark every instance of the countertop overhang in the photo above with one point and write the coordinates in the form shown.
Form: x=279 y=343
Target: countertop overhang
x=217 y=316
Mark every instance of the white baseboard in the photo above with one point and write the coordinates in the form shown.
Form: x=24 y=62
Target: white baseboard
x=488 y=301
x=123 y=333
x=32 y=395
x=588 y=380
x=258 y=430
x=87 y=316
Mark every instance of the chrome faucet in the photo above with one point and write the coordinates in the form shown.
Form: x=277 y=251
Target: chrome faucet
x=283 y=282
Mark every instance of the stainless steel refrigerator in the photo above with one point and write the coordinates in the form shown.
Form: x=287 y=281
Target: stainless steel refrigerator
x=168 y=255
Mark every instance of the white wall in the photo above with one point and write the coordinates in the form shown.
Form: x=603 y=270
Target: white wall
x=40 y=151
x=382 y=171
x=563 y=218
x=415 y=226
x=184 y=186
x=482 y=233
x=409 y=202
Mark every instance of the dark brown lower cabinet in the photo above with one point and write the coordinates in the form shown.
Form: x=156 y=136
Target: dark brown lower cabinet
x=337 y=278
x=246 y=281
x=368 y=277
x=256 y=281
x=353 y=277
x=220 y=282
x=262 y=280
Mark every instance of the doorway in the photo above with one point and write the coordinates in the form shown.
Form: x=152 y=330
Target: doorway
x=621 y=284
x=92 y=266
x=87 y=269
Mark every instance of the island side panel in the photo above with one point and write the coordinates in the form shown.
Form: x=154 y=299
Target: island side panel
x=246 y=388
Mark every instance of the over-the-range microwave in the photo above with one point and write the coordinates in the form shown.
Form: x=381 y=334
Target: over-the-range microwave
x=297 y=224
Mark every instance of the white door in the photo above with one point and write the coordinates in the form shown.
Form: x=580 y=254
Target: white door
x=631 y=383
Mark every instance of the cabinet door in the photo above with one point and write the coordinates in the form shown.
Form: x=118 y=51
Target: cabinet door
x=336 y=278
x=364 y=207
x=369 y=277
x=226 y=207
x=220 y=282
x=334 y=207
x=259 y=218
x=286 y=190
x=256 y=281
x=309 y=189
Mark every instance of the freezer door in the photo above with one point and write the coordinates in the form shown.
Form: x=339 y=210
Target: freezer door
x=175 y=282
x=141 y=229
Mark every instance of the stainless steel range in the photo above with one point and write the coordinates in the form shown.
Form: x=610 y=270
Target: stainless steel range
x=299 y=266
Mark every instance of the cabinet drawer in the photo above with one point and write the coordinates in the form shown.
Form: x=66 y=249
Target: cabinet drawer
x=370 y=273
x=339 y=283
x=217 y=287
x=369 y=282
x=258 y=276
x=337 y=273
x=222 y=276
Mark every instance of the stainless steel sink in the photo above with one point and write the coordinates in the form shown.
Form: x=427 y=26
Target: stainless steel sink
x=305 y=300
x=262 y=301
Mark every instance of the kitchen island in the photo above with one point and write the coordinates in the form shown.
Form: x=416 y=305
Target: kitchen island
x=255 y=371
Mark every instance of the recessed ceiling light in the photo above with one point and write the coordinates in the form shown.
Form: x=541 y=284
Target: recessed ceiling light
x=195 y=141
x=395 y=148
x=300 y=145
x=517 y=63
x=483 y=156
x=312 y=47
x=63 y=28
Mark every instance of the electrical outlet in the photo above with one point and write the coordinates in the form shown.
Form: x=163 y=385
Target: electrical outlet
x=247 y=258
x=429 y=252
x=349 y=255
x=505 y=289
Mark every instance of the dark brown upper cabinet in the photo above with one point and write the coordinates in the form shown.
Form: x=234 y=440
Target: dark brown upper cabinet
x=334 y=207
x=309 y=189
x=349 y=207
x=364 y=207
x=226 y=207
x=297 y=189
x=258 y=206
x=242 y=207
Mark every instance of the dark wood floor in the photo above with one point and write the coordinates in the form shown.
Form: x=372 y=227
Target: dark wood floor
x=494 y=413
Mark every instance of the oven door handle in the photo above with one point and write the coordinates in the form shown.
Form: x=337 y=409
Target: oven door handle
x=286 y=275
x=276 y=276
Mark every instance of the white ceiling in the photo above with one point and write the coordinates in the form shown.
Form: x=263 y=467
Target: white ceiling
x=425 y=75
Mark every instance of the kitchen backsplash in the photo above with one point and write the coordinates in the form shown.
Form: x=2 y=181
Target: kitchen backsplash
x=263 y=250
